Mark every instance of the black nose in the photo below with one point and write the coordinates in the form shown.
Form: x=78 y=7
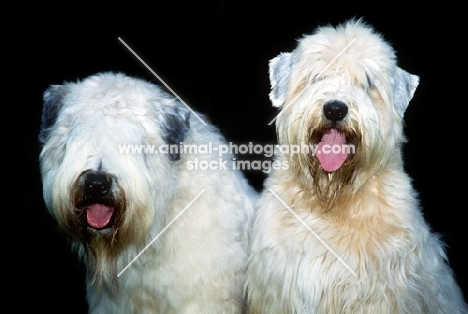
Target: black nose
x=335 y=110
x=97 y=184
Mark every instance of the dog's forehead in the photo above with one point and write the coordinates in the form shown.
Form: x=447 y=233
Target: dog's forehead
x=349 y=48
x=116 y=105
x=100 y=92
x=114 y=95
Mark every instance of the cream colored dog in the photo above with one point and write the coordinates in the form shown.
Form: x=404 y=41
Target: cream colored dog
x=341 y=231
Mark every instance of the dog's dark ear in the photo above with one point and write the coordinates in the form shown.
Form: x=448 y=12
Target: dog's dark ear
x=404 y=85
x=280 y=75
x=175 y=127
x=52 y=103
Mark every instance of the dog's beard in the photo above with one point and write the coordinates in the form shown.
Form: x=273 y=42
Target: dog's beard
x=100 y=247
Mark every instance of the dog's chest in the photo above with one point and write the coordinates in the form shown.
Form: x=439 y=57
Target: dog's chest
x=326 y=254
x=313 y=236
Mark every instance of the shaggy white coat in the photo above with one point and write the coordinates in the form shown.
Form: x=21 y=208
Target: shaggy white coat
x=198 y=264
x=366 y=248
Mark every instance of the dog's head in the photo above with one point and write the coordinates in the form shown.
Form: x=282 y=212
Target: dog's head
x=341 y=92
x=102 y=180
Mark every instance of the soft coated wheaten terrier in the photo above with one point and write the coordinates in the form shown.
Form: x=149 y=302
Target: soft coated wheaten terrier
x=341 y=231
x=156 y=235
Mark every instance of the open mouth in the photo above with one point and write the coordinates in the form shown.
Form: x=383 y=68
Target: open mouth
x=99 y=216
x=331 y=150
x=96 y=203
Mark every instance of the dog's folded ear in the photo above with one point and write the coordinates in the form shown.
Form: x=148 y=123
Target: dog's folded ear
x=280 y=73
x=174 y=126
x=52 y=102
x=404 y=85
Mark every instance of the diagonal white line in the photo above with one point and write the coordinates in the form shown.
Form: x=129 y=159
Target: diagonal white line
x=308 y=83
x=161 y=80
x=336 y=57
x=289 y=104
x=159 y=234
x=311 y=231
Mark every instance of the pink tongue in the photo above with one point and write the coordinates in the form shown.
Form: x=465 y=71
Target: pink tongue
x=331 y=152
x=99 y=215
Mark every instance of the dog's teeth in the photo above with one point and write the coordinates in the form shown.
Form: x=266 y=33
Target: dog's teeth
x=330 y=176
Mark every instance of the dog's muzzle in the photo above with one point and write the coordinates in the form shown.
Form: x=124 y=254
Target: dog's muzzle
x=97 y=199
x=329 y=150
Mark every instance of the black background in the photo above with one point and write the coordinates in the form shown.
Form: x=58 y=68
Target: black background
x=214 y=55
